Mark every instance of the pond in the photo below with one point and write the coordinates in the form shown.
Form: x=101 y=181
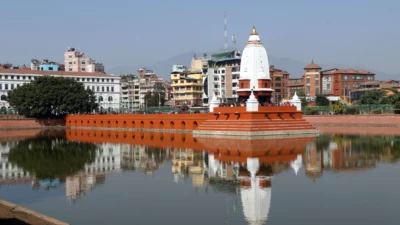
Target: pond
x=105 y=177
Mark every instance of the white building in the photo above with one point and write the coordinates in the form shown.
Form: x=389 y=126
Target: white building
x=108 y=159
x=105 y=87
x=220 y=75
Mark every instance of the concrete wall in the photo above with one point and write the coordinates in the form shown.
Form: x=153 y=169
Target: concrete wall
x=27 y=123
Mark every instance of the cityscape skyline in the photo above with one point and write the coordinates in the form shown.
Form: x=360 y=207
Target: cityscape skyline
x=147 y=42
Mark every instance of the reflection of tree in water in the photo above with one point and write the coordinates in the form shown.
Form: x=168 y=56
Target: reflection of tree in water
x=52 y=157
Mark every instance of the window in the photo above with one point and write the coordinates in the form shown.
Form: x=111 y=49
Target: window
x=308 y=80
x=12 y=77
x=70 y=69
x=345 y=77
x=102 y=89
x=100 y=98
x=112 y=89
x=70 y=56
x=83 y=69
x=112 y=80
x=70 y=63
x=17 y=77
x=98 y=88
x=92 y=88
x=110 y=98
x=370 y=78
x=102 y=80
x=17 y=85
x=108 y=89
x=108 y=80
x=1 y=86
x=77 y=79
x=29 y=77
x=23 y=78
x=98 y=80
x=83 y=62
x=50 y=68
x=12 y=86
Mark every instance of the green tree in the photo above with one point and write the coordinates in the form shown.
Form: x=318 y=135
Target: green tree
x=322 y=100
x=157 y=96
x=52 y=157
x=372 y=97
x=52 y=96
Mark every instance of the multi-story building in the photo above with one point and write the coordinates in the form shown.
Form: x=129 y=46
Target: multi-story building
x=295 y=85
x=75 y=61
x=220 y=75
x=376 y=85
x=150 y=82
x=333 y=82
x=105 y=87
x=279 y=81
x=130 y=92
x=187 y=88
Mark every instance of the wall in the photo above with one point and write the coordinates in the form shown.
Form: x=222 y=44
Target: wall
x=139 y=121
x=356 y=120
x=27 y=123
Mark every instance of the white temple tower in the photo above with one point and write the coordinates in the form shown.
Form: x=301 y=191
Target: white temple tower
x=254 y=71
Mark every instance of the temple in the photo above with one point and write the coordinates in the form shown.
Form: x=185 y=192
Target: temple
x=254 y=71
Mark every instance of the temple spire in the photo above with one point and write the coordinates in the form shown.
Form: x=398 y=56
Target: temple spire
x=254 y=31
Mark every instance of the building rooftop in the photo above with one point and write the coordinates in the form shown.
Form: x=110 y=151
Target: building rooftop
x=60 y=73
x=312 y=65
x=347 y=71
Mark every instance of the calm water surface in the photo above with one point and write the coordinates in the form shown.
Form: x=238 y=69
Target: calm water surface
x=101 y=177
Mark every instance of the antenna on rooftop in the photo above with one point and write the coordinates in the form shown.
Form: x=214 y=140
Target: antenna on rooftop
x=225 y=35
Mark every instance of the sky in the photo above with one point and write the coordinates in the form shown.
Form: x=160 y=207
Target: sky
x=361 y=33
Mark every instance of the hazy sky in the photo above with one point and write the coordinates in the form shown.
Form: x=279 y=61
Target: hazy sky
x=130 y=32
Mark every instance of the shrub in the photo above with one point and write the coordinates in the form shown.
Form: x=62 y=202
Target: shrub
x=377 y=111
x=337 y=108
x=396 y=108
x=311 y=111
x=351 y=111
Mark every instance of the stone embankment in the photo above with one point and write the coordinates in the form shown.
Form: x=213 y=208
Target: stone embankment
x=14 y=214
x=357 y=124
x=27 y=123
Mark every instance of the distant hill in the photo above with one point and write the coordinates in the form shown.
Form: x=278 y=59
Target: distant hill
x=294 y=67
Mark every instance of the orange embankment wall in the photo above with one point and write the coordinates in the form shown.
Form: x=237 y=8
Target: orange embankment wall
x=139 y=121
x=268 y=150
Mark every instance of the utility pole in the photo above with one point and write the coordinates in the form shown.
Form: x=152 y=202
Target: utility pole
x=225 y=36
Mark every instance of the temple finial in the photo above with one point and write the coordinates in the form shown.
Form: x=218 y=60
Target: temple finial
x=254 y=31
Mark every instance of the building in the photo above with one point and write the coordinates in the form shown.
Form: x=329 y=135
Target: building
x=279 y=82
x=220 y=75
x=149 y=82
x=368 y=86
x=333 y=82
x=295 y=85
x=105 y=87
x=186 y=88
x=75 y=61
x=130 y=93
x=254 y=71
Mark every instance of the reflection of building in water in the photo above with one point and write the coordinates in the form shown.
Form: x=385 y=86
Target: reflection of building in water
x=10 y=173
x=346 y=156
x=143 y=158
x=78 y=185
x=296 y=164
x=188 y=162
x=107 y=159
x=313 y=161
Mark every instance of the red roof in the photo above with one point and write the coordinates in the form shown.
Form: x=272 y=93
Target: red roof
x=50 y=73
x=312 y=65
x=347 y=71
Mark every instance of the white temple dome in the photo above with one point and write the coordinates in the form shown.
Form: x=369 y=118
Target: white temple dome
x=254 y=62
